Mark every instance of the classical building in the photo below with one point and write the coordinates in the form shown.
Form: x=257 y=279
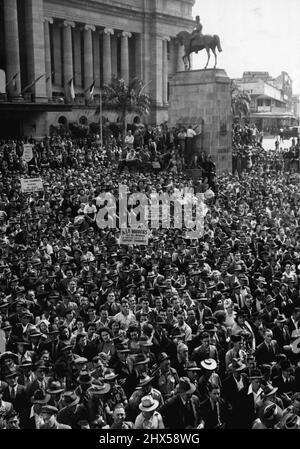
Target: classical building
x=47 y=47
x=272 y=101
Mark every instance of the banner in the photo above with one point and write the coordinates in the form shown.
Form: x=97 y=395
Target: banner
x=134 y=237
x=31 y=185
x=27 y=152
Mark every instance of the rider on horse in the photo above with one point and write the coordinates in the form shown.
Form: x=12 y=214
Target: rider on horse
x=196 y=33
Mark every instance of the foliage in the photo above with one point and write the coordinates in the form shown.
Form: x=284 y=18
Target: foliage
x=126 y=98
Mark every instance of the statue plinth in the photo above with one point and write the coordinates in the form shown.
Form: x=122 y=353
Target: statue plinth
x=203 y=97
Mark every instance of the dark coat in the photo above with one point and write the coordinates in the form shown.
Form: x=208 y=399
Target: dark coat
x=20 y=402
x=210 y=416
x=175 y=415
x=264 y=354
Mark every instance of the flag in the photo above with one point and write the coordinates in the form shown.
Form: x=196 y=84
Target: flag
x=91 y=90
x=13 y=80
x=26 y=88
x=71 y=89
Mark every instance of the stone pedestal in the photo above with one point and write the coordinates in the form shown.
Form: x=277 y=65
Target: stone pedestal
x=203 y=97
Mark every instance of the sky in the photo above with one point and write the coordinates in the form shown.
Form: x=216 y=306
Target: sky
x=256 y=35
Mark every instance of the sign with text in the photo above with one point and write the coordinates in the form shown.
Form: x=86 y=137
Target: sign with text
x=27 y=152
x=134 y=237
x=31 y=185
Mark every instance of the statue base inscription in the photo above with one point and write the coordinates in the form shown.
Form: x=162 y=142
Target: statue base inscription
x=203 y=98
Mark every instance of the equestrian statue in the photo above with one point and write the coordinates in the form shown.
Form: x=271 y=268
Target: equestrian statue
x=196 y=41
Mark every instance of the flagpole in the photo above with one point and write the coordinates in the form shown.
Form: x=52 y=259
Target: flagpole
x=100 y=118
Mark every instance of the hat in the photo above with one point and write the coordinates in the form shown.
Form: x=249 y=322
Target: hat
x=50 y=409
x=148 y=404
x=99 y=387
x=54 y=387
x=271 y=414
x=70 y=398
x=25 y=361
x=84 y=378
x=40 y=397
x=185 y=386
x=9 y=355
x=110 y=375
x=201 y=297
x=80 y=360
x=236 y=365
x=235 y=338
x=66 y=346
x=210 y=327
x=141 y=359
x=10 y=373
x=270 y=300
x=209 y=364
x=34 y=333
x=280 y=319
x=291 y=421
x=269 y=390
x=255 y=374
x=162 y=357
x=145 y=380
x=192 y=366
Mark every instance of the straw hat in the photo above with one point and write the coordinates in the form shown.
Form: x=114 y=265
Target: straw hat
x=148 y=404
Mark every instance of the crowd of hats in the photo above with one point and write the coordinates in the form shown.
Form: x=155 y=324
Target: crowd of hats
x=58 y=271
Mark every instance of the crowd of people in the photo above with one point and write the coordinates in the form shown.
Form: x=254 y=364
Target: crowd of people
x=182 y=333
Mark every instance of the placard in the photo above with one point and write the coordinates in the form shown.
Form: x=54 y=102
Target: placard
x=134 y=237
x=29 y=185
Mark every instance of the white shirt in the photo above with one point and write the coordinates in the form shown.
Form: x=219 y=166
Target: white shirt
x=256 y=395
x=190 y=132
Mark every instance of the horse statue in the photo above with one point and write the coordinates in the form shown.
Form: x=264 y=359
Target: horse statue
x=194 y=44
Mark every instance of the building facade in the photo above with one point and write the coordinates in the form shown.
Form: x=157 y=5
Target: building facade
x=272 y=101
x=50 y=46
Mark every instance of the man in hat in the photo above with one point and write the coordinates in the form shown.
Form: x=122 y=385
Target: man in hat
x=235 y=381
x=71 y=411
x=116 y=395
x=144 y=388
x=248 y=401
x=12 y=420
x=281 y=333
x=14 y=392
x=125 y=316
x=140 y=367
x=266 y=352
x=285 y=382
x=27 y=376
x=236 y=352
x=49 y=416
x=182 y=411
x=166 y=377
x=5 y=406
x=149 y=418
x=31 y=419
x=40 y=381
x=55 y=389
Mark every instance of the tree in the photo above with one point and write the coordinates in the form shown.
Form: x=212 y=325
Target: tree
x=126 y=98
x=240 y=102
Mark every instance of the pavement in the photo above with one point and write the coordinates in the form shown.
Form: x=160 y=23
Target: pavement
x=269 y=143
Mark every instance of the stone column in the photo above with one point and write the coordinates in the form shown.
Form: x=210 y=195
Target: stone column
x=157 y=68
x=12 y=48
x=165 y=71
x=138 y=56
x=88 y=59
x=77 y=57
x=68 y=51
x=125 y=56
x=35 y=47
x=180 y=53
x=173 y=56
x=107 y=55
x=96 y=53
x=57 y=54
x=48 y=68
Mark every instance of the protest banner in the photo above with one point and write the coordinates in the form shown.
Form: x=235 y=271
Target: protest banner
x=29 y=185
x=134 y=237
x=27 y=152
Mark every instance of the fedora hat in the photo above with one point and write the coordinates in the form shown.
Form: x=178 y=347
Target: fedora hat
x=49 y=409
x=268 y=390
x=236 y=365
x=270 y=300
x=162 y=357
x=110 y=375
x=192 y=366
x=26 y=361
x=70 y=398
x=271 y=415
x=148 y=404
x=209 y=364
x=11 y=373
x=40 y=397
x=9 y=355
x=54 y=387
x=185 y=386
x=141 y=359
x=145 y=380
x=99 y=388
x=66 y=346
x=84 y=378
x=280 y=319
x=80 y=361
x=291 y=421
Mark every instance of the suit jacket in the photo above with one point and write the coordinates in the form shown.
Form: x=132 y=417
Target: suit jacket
x=210 y=416
x=33 y=386
x=284 y=387
x=201 y=353
x=245 y=410
x=20 y=401
x=264 y=354
x=282 y=336
x=176 y=415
